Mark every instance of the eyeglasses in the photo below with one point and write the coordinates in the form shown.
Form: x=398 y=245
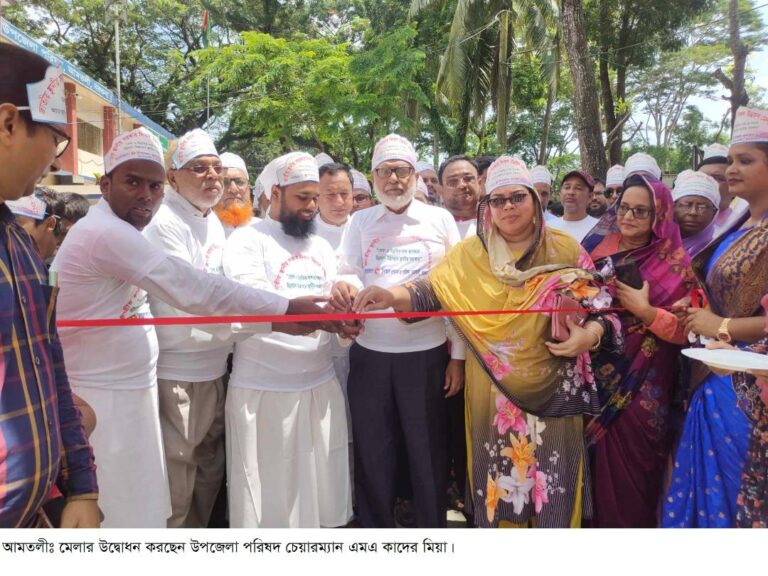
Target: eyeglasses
x=701 y=208
x=63 y=143
x=611 y=192
x=203 y=169
x=501 y=201
x=239 y=182
x=638 y=212
x=456 y=182
x=359 y=198
x=402 y=172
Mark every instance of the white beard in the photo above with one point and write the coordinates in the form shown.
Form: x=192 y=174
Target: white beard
x=396 y=202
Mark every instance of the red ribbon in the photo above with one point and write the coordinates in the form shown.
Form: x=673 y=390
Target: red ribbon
x=283 y=318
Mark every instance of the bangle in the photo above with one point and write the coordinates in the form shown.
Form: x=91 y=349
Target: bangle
x=596 y=346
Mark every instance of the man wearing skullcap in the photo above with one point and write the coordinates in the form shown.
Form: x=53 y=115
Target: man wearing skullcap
x=362 y=195
x=428 y=173
x=730 y=209
x=542 y=181
x=235 y=208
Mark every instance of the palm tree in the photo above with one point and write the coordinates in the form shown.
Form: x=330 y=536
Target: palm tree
x=475 y=68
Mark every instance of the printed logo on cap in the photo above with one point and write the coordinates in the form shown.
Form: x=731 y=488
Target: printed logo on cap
x=28 y=207
x=193 y=144
x=751 y=125
x=47 y=103
x=394 y=147
x=507 y=171
x=298 y=167
x=360 y=182
x=138 y=144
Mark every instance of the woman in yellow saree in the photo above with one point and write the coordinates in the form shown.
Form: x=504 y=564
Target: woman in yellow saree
x=526 y=396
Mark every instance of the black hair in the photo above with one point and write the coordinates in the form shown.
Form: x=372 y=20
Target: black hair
x=54 y=205
x=598 y=181
x=19 y=67
x=555 y=208
x=75 y=206
x=712 y=160
x=334 y=168
x=451 y=160
x=483 y=163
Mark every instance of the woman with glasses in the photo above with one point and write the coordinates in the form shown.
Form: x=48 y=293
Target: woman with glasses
x=711 y=460
x=526 y=394
x=631 y=437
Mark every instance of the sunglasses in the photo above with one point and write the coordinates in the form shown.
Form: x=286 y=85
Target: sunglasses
x=638 y=212
x=501 y=201
x=202 y=169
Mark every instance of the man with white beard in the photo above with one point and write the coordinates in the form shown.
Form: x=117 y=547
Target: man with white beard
x=287 y=455
x=398 y=379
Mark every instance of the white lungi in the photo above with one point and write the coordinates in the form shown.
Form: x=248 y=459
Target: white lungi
x=287 y=462
x=130 y=462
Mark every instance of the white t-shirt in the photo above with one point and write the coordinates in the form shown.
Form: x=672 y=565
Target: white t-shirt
x=386 y=249
x=330 y=232
x=104 y=269
x=263 y=256
x=467 y=228
x=188 y=353
x=576 y=228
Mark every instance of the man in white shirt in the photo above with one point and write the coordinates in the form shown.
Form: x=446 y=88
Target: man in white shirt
x=287 y=453
x=362 y=197
x=192 y=360
x=105 y=270
x=542 y=181
x=235 y=208
x=335 y=202
x=575 y=195
x=398 y=379
x=461 y=192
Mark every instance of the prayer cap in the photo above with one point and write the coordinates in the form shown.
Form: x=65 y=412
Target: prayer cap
x=422 y=187
x=322 y=159
x=193 y=144
x=138 y=144
x=716 y=151
x=229 y=160
x=393 y=147
x=291 y=168
x=750 y=126
x=422 y=166
x=45 y=99
x=360 y=182
x=690 y=183
x=615 y=176
x=507 y=171
x=642 y=163
x=29 y=207
x=541 y=175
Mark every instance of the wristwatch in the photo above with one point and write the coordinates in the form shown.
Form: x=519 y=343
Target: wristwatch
x=722 y=333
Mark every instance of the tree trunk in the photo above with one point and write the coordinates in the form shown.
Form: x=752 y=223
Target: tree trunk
x=545 y=127
x=740 y=51
x=609 y=106
x=586 y=108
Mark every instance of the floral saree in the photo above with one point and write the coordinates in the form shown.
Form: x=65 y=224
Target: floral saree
x=631 y=437
x=524 y=407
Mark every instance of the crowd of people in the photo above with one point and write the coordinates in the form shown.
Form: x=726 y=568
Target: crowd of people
x=565 y=403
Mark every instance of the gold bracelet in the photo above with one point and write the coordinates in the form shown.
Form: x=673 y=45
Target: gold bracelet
x=596 y=346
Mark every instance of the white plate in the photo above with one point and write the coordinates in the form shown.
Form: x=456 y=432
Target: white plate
x=737 y=360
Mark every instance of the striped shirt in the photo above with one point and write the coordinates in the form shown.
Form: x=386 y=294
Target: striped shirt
x=42 y=441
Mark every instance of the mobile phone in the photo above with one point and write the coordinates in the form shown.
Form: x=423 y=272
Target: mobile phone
x=628 y=273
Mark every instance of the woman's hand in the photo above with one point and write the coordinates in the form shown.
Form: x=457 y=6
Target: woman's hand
x=717 y=345
x=680 y=307
x=702 y=322
x=636 y=301
x=580 y=339
x=373 y=298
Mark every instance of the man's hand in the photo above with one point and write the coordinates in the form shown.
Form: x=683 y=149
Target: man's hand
x=293 y=328
x=80 y=514
x=342 y=296
x=454 y=377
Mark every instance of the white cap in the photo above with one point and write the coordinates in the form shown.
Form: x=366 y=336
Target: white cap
x=322 y=159
x=46 y=98
x=642 y=163
x=690 y=183
x=540 y=175
x=507 y=171
x=615 y=176
x=393 y=147
x=193 y=144
x=750 y=126
x=716 y=151
x=422 y=166
x=421 y=186
x=291 y=168
x=258 y=190
x=360 y=182
x=138 y=144
x=28 y=207
x=229 y=160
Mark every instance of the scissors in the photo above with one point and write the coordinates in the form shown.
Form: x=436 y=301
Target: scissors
x=699 y=298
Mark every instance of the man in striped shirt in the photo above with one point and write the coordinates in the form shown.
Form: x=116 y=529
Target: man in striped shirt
x=42 y=442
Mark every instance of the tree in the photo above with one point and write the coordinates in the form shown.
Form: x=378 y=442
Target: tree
x=585 y=104
x=475 y=69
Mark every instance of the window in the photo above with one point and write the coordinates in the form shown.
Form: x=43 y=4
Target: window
x=89 y=138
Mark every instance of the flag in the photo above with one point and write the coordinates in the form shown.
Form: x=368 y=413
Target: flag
x=206 y=29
